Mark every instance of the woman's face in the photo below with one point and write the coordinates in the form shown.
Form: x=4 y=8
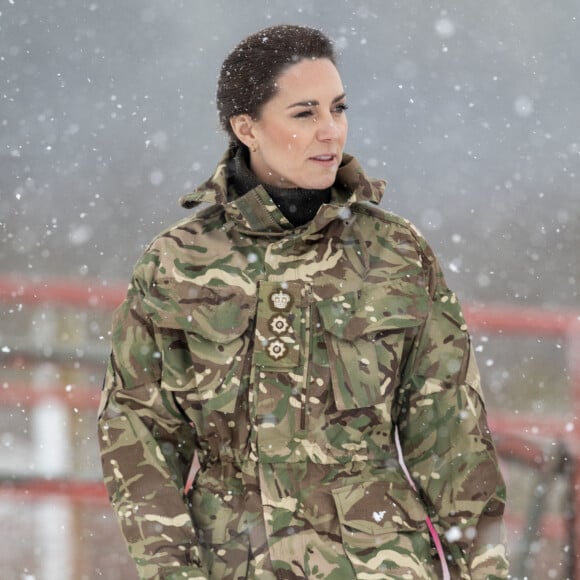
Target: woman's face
x=299 y=137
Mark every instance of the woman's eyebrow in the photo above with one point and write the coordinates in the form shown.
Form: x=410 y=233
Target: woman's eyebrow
x=315 y=103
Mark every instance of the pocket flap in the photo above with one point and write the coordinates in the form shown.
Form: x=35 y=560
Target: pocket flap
x=378 y=507
x=394 y=305
x=217 y=314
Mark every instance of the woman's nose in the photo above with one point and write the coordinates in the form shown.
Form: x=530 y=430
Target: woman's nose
x=327 y=128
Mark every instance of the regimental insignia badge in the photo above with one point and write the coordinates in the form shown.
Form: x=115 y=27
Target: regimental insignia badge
x=279 y=324
x=276 y=349
x=281 y=300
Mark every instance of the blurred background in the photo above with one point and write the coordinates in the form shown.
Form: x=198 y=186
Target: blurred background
x=470 y=111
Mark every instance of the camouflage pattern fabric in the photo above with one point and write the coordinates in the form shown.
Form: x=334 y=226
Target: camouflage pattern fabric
x=282 y=358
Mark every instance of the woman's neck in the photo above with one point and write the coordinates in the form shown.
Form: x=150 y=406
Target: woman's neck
x=298 y=205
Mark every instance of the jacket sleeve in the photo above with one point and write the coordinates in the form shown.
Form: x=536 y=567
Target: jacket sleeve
x=446 y=441
x=146 y=450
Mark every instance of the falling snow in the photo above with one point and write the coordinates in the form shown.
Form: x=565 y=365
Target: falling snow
x=107 y=117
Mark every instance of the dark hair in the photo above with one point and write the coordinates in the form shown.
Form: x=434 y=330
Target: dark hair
x=248 y=75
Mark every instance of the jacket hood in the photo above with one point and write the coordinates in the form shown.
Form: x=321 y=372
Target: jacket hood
x=258 y=213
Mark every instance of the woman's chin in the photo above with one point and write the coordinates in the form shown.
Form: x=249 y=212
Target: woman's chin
x=323 y=182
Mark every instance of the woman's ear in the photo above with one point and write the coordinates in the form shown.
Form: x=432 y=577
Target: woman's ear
x=243 y=128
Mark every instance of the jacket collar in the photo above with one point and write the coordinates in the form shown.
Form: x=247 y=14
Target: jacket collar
x=257 y=213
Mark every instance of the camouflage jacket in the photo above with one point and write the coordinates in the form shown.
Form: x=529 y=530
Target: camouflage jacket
x=282 y=358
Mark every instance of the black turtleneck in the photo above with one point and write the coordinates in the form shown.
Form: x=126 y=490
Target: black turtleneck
x=298 y=205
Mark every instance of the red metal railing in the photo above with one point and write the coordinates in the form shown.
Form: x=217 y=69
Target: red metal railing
x=64 y=292
x=74 y=490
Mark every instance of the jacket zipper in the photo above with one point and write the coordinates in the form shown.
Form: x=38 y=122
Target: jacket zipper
x=308 y=354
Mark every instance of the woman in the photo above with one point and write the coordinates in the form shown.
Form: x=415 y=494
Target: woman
x=289 y=335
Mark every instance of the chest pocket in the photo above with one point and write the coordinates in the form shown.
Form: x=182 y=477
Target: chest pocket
x=365 y=335
x=202 y=335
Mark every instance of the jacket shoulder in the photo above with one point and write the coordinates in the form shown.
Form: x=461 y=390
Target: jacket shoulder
x=388 y=218
x=199 y=221
x=172 y=241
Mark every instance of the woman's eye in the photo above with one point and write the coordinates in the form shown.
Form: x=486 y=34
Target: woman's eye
x=338 y=109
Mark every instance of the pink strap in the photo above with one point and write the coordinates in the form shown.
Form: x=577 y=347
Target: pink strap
x=434 y=535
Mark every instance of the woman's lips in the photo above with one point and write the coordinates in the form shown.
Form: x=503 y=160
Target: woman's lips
x=326 y=160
